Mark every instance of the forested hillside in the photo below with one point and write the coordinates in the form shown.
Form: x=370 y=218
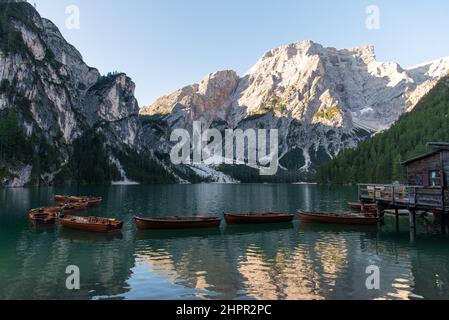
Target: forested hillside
x=378 y=160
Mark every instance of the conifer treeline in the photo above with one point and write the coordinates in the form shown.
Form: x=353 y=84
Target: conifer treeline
x=378 y=160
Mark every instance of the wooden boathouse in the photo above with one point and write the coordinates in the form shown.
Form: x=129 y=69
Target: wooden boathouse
x=427 y=187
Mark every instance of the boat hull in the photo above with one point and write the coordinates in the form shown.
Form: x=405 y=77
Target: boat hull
x=43 y=221
x=42 y=216
x=60 y=199
x=90 y=201
x=87 y=224
x=74 y=207
x=93 y=203
x=173 y=224
x=233 y=219
x=336 y=219
x=54 y=209
x=368 y=207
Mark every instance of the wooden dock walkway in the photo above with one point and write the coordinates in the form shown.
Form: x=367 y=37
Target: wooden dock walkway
x=427 y=187
x=403 y=197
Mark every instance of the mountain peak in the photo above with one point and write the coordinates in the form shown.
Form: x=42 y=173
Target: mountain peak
x=311 y=48
x=217 y=80
x=321 y=99
x=366 y=52
x=292 y=48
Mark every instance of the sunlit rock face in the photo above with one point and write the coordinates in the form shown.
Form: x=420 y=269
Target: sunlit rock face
x=322 y=100
x=209 y=100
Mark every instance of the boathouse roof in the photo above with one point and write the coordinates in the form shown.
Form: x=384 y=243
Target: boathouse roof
x=436 y=147
x=424 y=156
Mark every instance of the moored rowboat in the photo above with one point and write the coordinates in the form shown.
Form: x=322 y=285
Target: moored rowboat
x=177 y=223
x=56 y=209
x=74 y=206
x=91 y=201
x=366 y=207
x=342 y=218
x=258 y=218
x=42 y=216
x=91 y=224
x=60 y=199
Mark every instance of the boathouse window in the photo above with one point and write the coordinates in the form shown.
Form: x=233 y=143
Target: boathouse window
x=434 y=178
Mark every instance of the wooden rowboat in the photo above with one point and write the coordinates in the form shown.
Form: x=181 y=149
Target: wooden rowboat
x=74 y=207
x=56 y=209
x=342 y=218
x=91 y=224
x=91 y=201
x=366 y=207
x=60 y=199
x=258 y=218
x=42 y=216
x=177 y=223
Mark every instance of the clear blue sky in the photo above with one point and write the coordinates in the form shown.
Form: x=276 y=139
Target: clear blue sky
x=166 y=44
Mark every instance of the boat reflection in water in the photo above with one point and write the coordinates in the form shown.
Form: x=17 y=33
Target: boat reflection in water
x=142 y=235
x=75 y=235
x=254 y=229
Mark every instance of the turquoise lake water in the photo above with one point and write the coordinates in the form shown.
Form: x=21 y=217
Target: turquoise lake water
x=287 y=261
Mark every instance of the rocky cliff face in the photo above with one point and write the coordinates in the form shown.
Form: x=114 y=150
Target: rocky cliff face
x=322 y=100
x=58 y=100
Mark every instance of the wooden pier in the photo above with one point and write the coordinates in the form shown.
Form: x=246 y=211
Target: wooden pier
x=403 y=197
x=427 y=189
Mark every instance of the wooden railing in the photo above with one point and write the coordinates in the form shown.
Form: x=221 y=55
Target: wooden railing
x=402 y=195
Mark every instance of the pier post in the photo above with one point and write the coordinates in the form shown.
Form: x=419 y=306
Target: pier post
x=412 y=219
x=380 y=214
x=443 y=222
x=412 y=235
x=396 y=213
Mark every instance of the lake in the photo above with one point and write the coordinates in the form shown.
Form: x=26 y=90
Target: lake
x=286 y=261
